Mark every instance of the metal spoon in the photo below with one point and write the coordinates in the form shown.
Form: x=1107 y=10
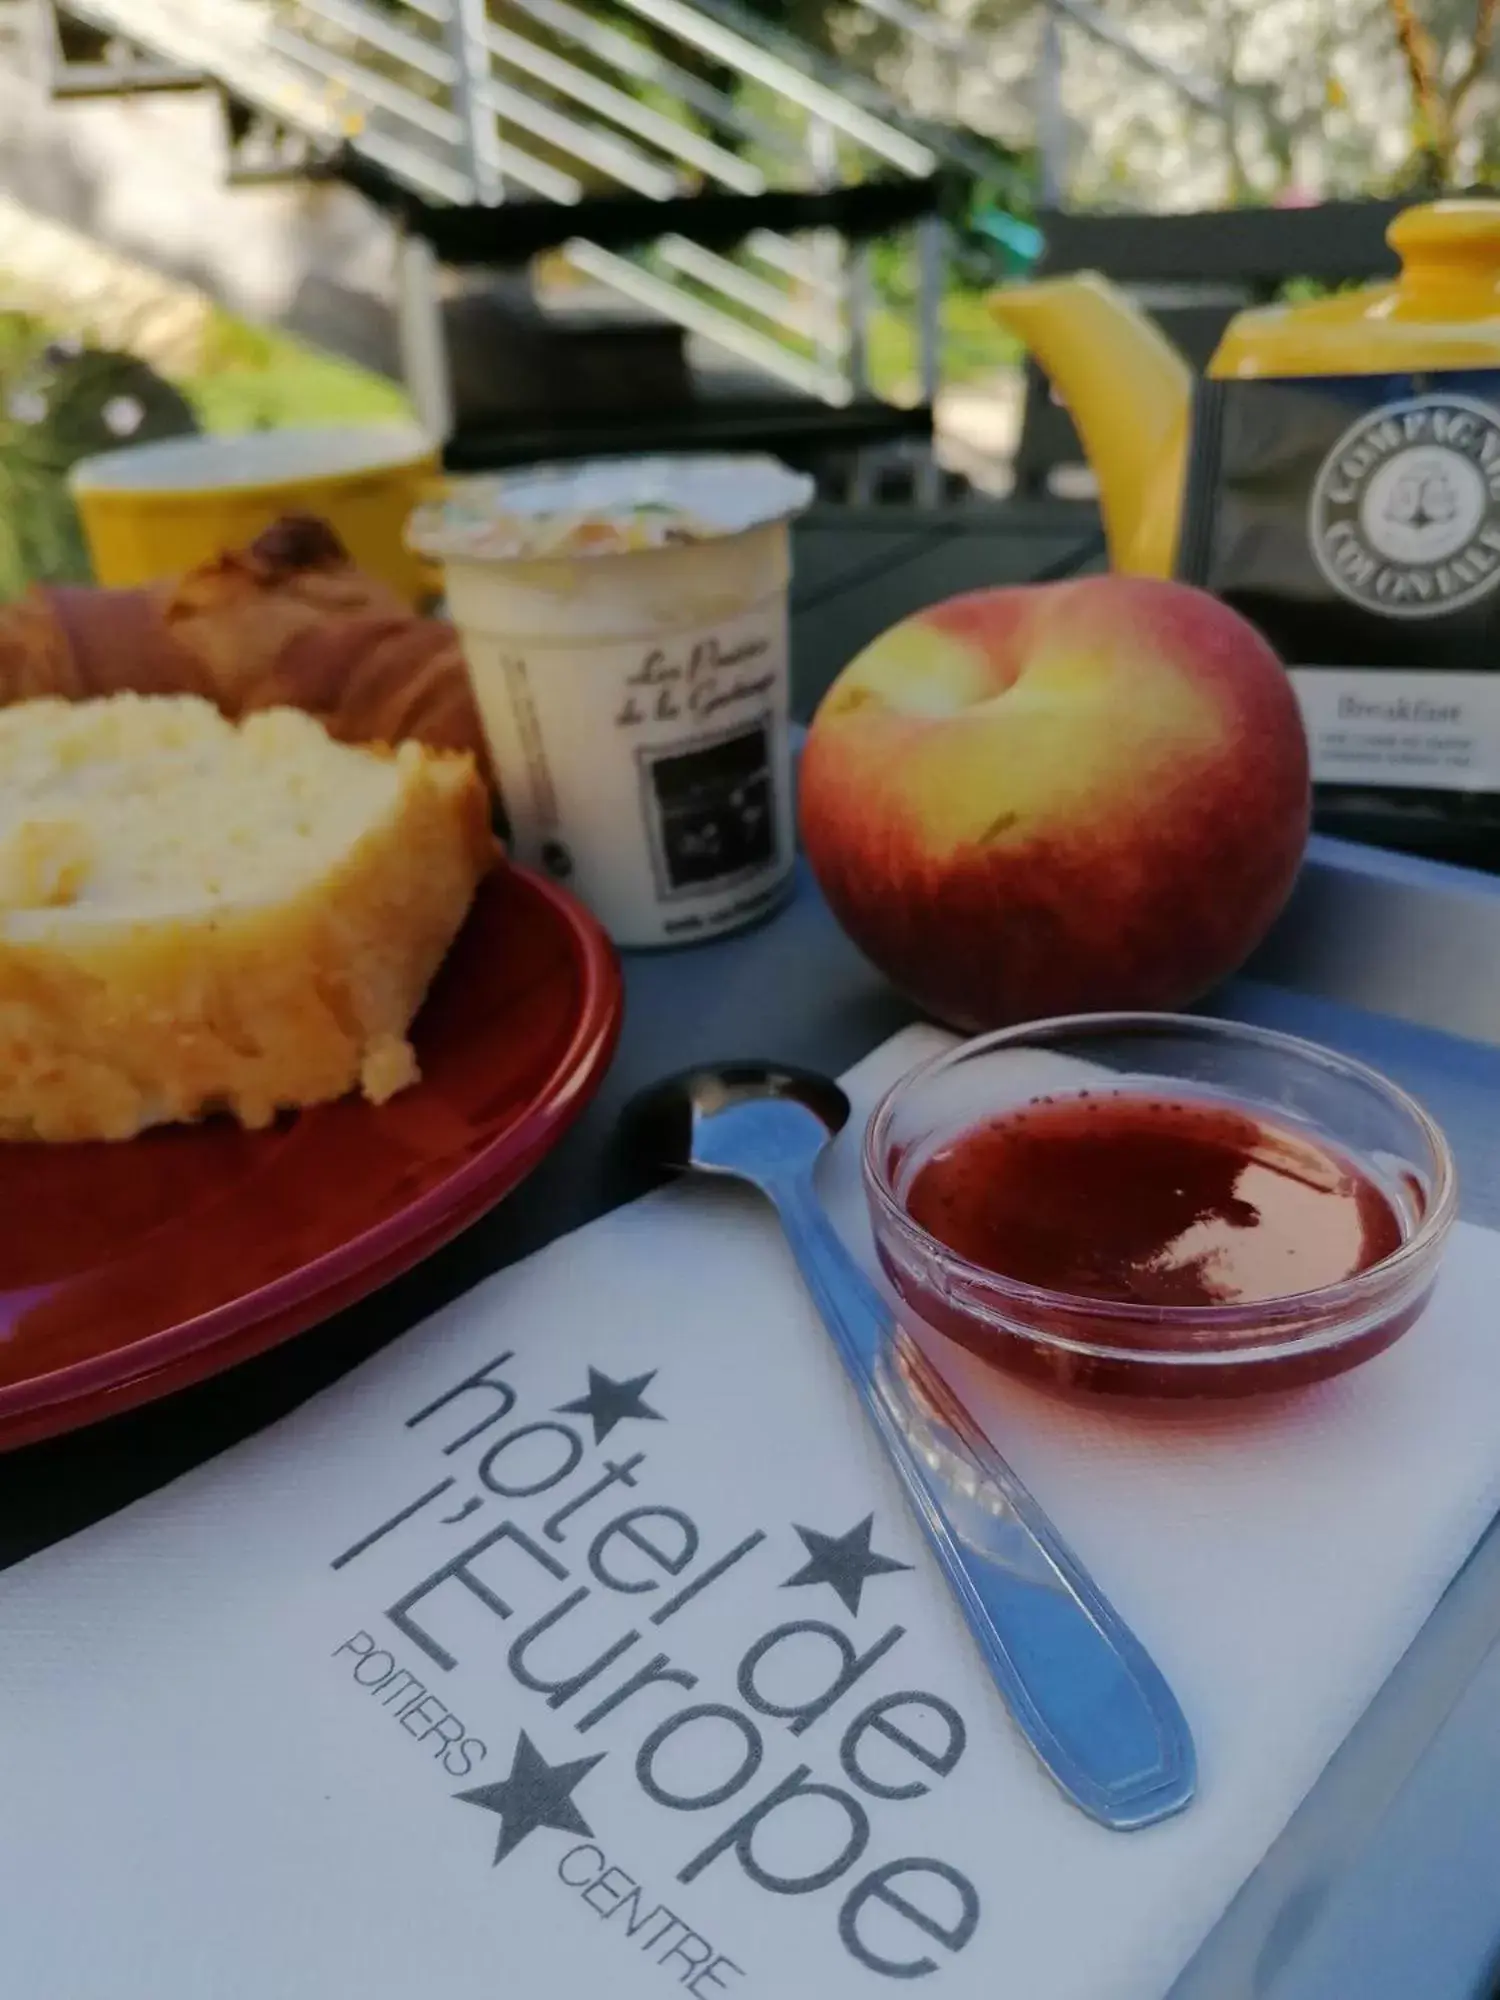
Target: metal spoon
x=1080 y=1685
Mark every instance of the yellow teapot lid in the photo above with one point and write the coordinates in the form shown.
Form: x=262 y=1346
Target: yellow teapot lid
x=1449 y=235
x=1443 y=311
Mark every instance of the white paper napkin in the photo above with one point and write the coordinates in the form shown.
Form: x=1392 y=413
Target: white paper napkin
x=239 y=1722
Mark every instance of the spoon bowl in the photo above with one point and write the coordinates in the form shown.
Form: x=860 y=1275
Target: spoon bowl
x=729 y=1118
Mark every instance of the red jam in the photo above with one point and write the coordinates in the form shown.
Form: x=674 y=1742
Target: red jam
x=1153 y=1201
x=1123 y=1199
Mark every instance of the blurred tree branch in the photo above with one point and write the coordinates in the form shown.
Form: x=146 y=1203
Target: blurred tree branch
x=1438 y=101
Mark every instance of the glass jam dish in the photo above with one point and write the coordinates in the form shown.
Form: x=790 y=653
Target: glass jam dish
x=1156 y=1205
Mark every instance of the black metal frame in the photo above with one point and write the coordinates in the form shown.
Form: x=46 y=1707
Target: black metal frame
x=510 y=234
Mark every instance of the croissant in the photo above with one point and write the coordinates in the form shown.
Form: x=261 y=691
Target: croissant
x=288 y=622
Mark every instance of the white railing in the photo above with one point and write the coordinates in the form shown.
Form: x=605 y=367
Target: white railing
x=464 y=101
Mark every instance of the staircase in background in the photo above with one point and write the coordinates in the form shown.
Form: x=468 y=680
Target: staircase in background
x=460 y=103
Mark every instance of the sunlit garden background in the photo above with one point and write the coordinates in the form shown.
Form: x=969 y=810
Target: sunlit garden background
x=1313 y=99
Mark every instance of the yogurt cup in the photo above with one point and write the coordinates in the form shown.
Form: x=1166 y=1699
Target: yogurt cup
x=625 y=627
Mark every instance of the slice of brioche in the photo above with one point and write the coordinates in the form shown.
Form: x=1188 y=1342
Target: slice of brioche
x=198 y=915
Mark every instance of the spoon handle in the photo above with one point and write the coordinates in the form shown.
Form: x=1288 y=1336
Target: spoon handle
x=1083 y=1689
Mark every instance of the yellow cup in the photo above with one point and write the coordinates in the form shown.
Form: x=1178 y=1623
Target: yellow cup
x=155 y=510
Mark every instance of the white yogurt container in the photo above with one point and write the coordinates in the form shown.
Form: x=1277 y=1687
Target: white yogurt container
x=625 y=626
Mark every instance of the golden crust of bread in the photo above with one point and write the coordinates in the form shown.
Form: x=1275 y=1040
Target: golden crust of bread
x=287 y=622
x=289 y=985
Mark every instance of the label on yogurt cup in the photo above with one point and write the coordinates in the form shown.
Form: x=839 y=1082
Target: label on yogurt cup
x=653 y=777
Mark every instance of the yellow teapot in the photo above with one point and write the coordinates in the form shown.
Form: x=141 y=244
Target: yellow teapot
x=1130 y=393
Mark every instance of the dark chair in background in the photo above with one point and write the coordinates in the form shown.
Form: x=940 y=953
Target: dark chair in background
x=1194 y=273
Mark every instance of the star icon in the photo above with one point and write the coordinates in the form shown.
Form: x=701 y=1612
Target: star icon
x=536 y=1794
x=846 y=1562
x=609 y=1402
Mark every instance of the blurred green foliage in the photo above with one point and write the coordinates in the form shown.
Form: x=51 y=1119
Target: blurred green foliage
x=251 y=378
x=39 y=533
x=61 y=401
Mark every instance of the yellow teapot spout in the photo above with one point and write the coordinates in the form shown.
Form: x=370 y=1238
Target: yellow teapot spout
x=1129 y=394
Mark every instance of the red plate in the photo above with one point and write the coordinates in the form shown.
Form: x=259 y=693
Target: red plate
x=128 y=1271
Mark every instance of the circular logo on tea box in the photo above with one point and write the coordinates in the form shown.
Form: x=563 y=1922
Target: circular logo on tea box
x=1405 y=512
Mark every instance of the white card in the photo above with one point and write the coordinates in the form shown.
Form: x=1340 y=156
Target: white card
x=581 y=1644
